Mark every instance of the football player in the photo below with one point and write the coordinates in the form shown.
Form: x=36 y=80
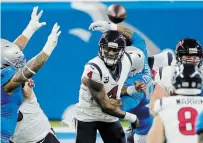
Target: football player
x=160 y=60
x=14 y=71
x=187 y=51
x=102 y=80
x=32 y=125
x=144 y=77
x=199 y=128
x=175 y=116
x=137 y=102
x=133 y=39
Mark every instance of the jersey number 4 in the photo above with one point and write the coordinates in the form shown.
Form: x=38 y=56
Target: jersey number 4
x=113 y=92
x=187 y=118
x=90 y=74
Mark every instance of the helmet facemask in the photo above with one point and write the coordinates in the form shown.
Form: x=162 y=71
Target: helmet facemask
x=111 y=48
x=189 y=51
x=195 y=60
x=111 y=53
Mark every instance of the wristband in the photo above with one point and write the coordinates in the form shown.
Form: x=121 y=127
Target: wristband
x=49 y=46
x=131 y=90
x=28 y=33
x=130 y=117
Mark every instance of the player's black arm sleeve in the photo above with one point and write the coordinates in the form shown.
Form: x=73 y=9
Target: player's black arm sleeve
x=98 y=93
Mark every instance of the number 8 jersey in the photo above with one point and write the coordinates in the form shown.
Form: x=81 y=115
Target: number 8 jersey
x=87 y=109
x=178 y=114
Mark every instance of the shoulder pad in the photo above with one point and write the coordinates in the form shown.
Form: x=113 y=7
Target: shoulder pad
x=93 y=72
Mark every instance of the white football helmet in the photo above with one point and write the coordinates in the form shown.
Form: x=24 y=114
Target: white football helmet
x=137 y=57
x=11 y=54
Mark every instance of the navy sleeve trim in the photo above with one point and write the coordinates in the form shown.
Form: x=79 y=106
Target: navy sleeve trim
x=170 y=58
x=97 y=67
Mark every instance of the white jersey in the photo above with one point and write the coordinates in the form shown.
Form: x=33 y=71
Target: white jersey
x=161 y=60
x=164 y=77
x=34 y=125
x=87 y=109
x=178 y=114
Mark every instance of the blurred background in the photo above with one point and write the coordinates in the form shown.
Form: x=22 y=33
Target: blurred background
x=162 y=24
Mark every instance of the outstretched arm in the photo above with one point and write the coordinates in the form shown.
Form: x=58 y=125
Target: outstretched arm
x=125 y=31
x=21 y=41
x=137 y=40
x=31 y=28
x=33 y=65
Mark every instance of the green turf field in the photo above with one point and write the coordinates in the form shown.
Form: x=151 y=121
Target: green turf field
x=57 y=124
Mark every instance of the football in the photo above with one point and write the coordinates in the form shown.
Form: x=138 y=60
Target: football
x=116 y=13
